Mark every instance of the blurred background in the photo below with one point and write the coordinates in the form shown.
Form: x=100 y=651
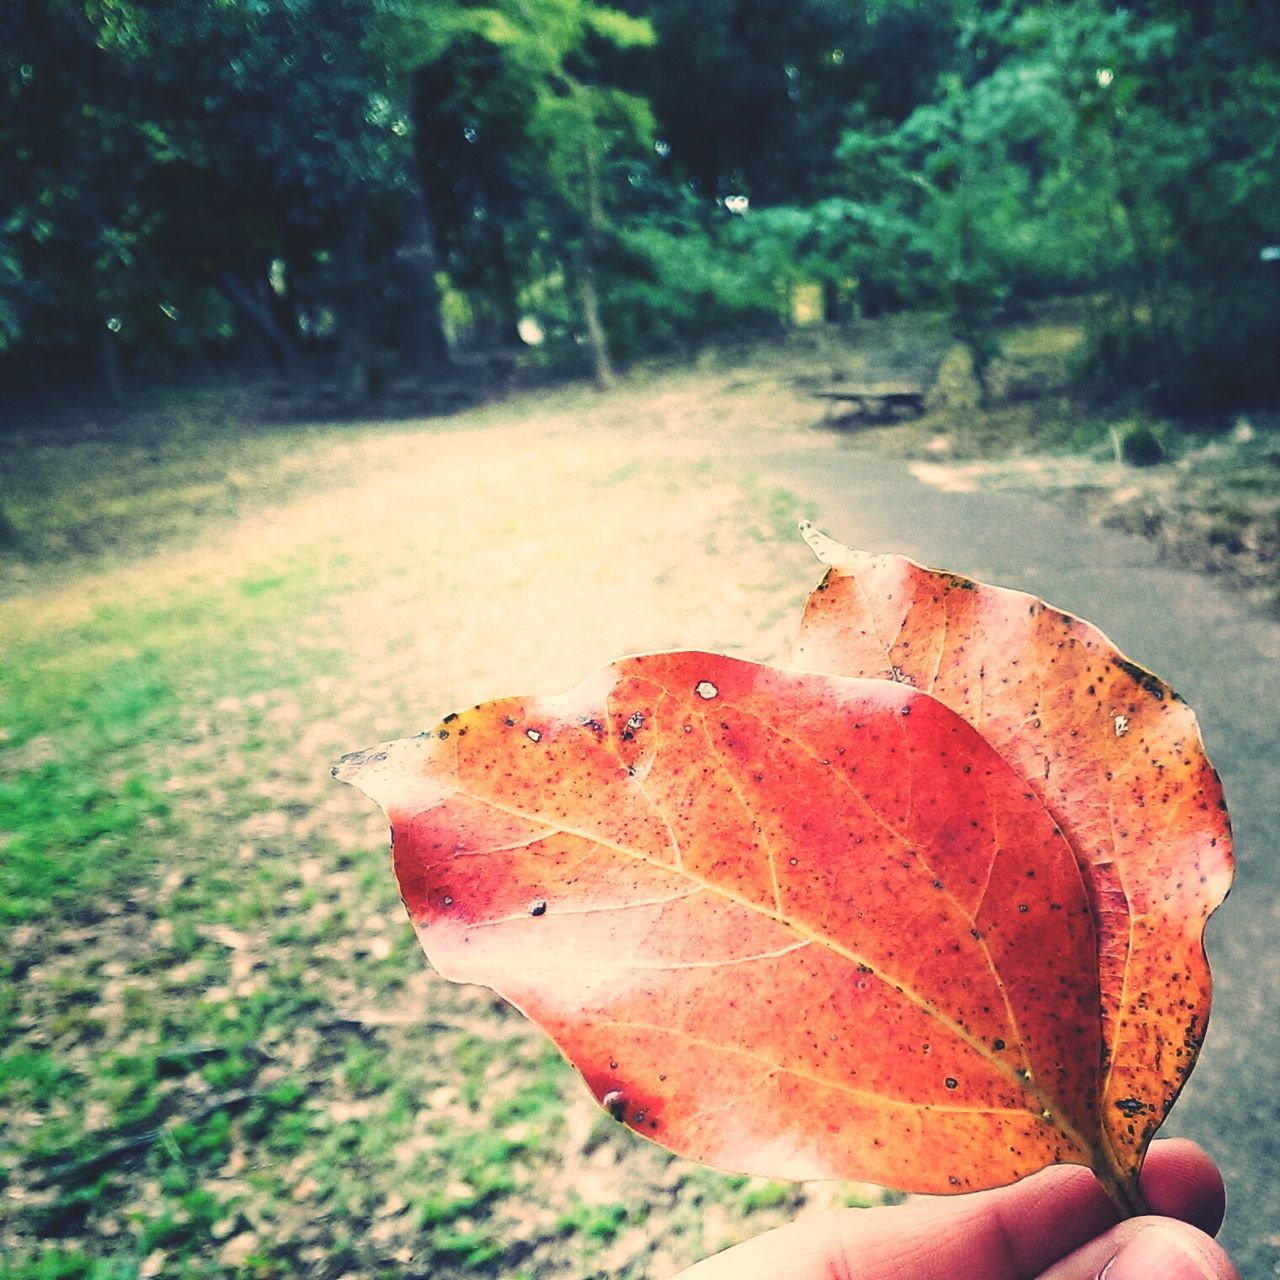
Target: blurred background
x=378 y=188
x=364 y=359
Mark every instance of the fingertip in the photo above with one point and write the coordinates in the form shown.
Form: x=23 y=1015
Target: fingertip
x=1180 y=1181
x=1147 y=1249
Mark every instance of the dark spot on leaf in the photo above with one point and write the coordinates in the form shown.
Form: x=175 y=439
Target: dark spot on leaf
x=1152 y=684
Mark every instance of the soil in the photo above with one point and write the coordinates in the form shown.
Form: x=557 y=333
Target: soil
x=234 y=1061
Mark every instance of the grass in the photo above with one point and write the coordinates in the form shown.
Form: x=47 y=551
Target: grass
x=222 y=1054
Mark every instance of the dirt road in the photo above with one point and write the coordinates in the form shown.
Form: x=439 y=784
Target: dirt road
x=1223 y=659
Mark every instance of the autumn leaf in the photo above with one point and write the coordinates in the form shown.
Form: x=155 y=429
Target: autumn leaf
x=796 y=924
x=1114 y=754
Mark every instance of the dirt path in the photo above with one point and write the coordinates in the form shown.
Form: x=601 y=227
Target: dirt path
x=1218 y=652
x=224 y=1055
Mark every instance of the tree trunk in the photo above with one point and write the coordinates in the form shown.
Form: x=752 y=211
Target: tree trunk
x=835 y=306
x=596 y=340
x=426 y=345
x=981 y=348
x=355 y=355
x=587 y=295
x=109 y=355
x=504 y=304
x=256 y=310
x=9 y=538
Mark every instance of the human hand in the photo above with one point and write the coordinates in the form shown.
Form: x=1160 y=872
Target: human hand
x=1055 y=1225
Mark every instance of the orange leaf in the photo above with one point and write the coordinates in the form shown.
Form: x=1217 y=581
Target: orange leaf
x=803 y=926
x=1116 y=757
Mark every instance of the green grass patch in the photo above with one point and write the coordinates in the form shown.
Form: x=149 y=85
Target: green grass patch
x=32 y=1079
x=72 y=1264
x=598 y=1223
x=475 y=1250
x=195 y=921
x=100 y=716
x=73 y=838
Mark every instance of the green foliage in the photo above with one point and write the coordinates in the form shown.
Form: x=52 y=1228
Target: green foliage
x=599 y=1223
x=129 y=211
x=562 y=147
x=1080 y=149
x=572 y=160
x=685 y=284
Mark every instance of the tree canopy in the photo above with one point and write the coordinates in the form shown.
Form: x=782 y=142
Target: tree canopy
x=384 y=182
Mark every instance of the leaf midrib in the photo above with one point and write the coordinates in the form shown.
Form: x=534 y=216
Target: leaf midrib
x=1027 y=1087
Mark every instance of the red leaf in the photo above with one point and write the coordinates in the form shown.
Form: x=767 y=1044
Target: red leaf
x=811 y=925
x=1115 y=755
x=789 y=925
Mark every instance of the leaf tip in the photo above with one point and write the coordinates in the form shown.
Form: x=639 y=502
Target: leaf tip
x=406 y=776
x=827 y=550
x=367 y=771
x=350 y=766
x=835 y=555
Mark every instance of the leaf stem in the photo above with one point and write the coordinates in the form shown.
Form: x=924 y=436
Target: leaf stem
x=1123 y=1193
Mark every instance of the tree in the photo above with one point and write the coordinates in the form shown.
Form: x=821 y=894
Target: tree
x=1103 y=151
x=520 y=79
x=181 y=179
x=752 y=95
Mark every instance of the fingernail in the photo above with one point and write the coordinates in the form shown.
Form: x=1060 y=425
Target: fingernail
x=1156 y=1253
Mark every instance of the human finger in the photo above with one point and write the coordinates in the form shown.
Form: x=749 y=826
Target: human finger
x=1011 y=1233
x=1180 y=1181
x=1146 y=1249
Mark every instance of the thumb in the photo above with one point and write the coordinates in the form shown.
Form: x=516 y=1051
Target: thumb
x=1146 y=1249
